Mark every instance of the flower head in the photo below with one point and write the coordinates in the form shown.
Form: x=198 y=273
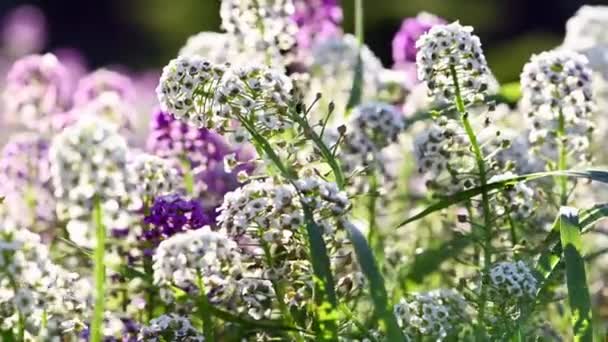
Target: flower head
x=435 y=314
x=24 y=31
x=214 y=46
x=450 y=59
x=88 y=160
x=404 y=42
x=586 y=28
x=102 y=81
x=170 y=327
x=186 y=89
x=512 y=281
x=189 y=258
x=151 y=176
x=25 y=181
x=317 y=21
x=36 y=87
x=172 y=214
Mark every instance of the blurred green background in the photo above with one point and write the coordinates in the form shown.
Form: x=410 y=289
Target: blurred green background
x=146 y=33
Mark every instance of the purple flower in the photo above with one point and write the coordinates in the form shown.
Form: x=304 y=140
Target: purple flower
x=25 y=181
x=171 y=214
x=404 y=42
x=37 y=86
x=103 y=80
x=317 y=21
x=24 y=31
x=203 y=150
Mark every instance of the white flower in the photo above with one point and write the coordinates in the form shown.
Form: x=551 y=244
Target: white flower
x=587 y=28
x=512 y=280
x=194 y=256
x=213 y=46
x=451 y=51
x=186 y=89
x=151 y=176
x=176 y=328
x=87 y=160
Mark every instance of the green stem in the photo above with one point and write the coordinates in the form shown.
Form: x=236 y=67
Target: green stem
x=99 y=271
x=204 y=309
x=359 y=21
x=188 y=176
x=151 y=292
x=373 y=235
x=487 y=245
x=562 y=163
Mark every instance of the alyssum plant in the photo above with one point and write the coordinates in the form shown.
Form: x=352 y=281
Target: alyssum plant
x=293 y=189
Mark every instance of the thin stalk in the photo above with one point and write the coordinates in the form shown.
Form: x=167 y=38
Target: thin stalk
x=188 y=176
x=562 y=162
x=99 y=271
x=359 y=21
x=151 y=293
x=373 y=236
x=204 y=309
x=487 y=244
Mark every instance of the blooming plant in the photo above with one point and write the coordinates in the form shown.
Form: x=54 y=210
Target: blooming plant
x=291 y=188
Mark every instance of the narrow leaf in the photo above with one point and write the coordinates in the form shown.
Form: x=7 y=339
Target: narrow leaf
x=366 y=260
x=356 y=92
x=576 y=279
x=595 y=175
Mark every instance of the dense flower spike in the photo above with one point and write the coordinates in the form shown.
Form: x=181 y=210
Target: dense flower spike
x=103 y=81
x=436 y=314
x=36 y=87
x=186 y=89
x=372 y=127
x=172 y=214
x=317 y=21
x=33 y=286
x=214 y=46
x=261 y=26
x=258 y=95
x=151 y=176
x=170 y=328
x=450 y=59
x=554 y=84
x=88 y=160
x=198 y=256
x=512 y=281
x=25 y=182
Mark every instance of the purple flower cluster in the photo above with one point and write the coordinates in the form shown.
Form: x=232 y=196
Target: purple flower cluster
x=317 y=20
x=24 y=31
x=171 y=214
x=404 y=42
x=203 y=150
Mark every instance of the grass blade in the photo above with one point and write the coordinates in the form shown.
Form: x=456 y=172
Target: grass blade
x=595 y=175
x=576 y=279
x=366 y=260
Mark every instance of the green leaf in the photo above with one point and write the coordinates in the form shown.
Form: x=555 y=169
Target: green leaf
x=325 y=295
x=429 y=260
x=356 y=92
x=251 y=323
x=576 y=279
x=510 y=92
x=366 y=260
x=596 y=175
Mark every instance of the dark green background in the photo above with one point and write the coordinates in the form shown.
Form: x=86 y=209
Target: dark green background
x=145 y=33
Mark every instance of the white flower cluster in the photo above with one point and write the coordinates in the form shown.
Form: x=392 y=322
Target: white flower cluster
x=186 y=89
x=31 y=285
x=332 y=72
x=450 y=59
x=213 y=46
x=189 y=258
x=170 y=327
x=88 y=160
x=150 y=176
x=517 y=200
x=258 y=94
x=261 y=26
x=512 y=280
x=372 y=127
x=110 y=106
x=587 y=28
x=554 y=84
x=257 y=295
x=435 y=315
